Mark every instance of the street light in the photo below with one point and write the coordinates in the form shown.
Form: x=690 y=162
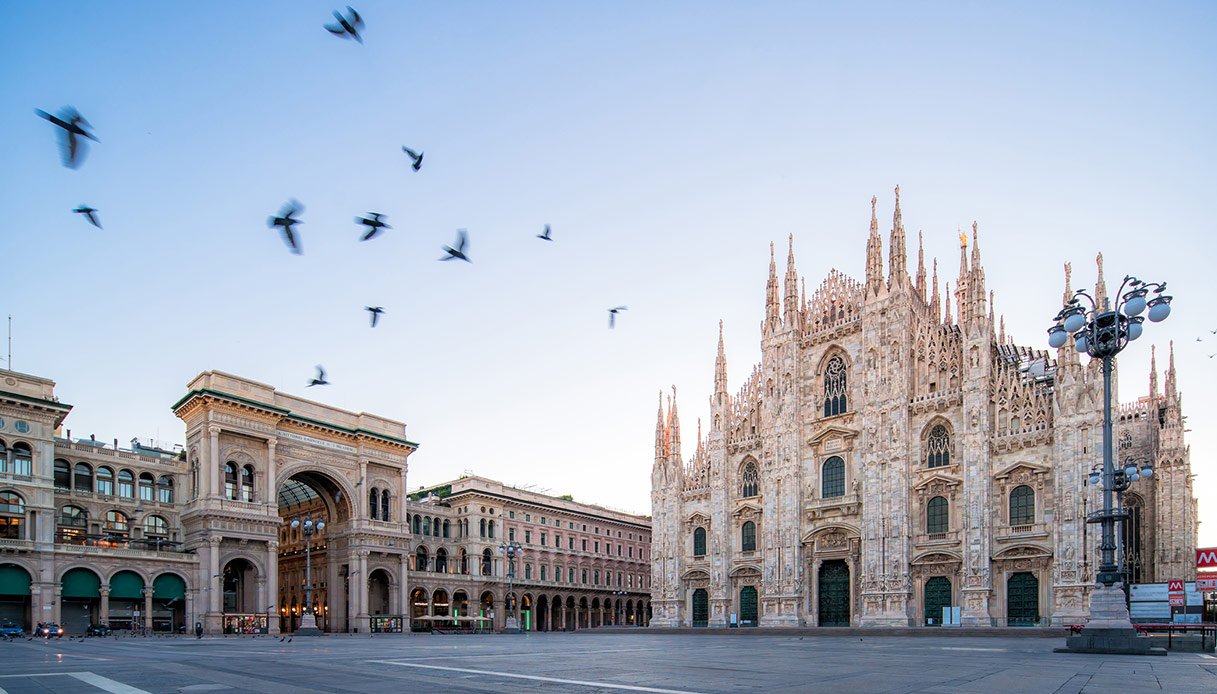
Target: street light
x=511 y=550
x=1103 y=332
x=308 y=623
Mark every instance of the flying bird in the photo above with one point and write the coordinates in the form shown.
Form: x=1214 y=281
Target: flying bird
x=1199 y=340
x=72 y=128
x=320 y=379
x=545 y=235
x=459 y=252
x=286 y=220
x=375 y=311
x=90 y=214
x=613 y=315
x=416 y=156
x=347 y=27
x=373 y=223
x=1214 y=354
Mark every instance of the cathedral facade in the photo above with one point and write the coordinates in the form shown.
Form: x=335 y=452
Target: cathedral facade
x=895 y=453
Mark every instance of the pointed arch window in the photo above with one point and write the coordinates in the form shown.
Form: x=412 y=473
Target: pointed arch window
x=483 y=527
x=835 y=387
x=487 y=562
x=937 y=518
x=748 y=537
x=1022 y=505
x=385 y=513
x=832 y=478
x=374 y=503
x=938 y=447
x=751 y=483
x=699 y=542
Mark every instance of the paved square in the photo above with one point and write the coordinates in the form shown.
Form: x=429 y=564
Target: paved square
x=588 y=662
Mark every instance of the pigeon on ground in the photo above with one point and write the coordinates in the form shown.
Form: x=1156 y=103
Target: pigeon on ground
x=320 y=379
x=375 y=311
x=73 y=128
x=613 y=315
x=416 y=156
x=373 y=223
x=347 y=27
x=459 y=252
x=281 y=640
x=289 y=640
x=285 y=221
x=90 y=214
x=545 y=235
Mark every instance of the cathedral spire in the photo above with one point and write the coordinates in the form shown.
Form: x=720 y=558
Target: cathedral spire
x=921 y=266
x=1100 y=285
x=792 y=290
x=773 y=308
x=1066 y=354
x=674 y=429
x=961 y=282
x=1172 y=392
x=947 y=319
x=720 y=365
x=1153 y=372
x=899 y=268
x=874 y=253
x=661 y=434
x=1001 y=335
x=935 y=300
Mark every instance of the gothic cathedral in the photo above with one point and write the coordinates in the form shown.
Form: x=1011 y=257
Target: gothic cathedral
x=889 y=458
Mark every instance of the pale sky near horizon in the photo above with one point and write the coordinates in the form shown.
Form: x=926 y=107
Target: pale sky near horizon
x=666 y=143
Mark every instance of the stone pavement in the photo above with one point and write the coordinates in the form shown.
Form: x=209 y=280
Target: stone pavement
x=589 y=662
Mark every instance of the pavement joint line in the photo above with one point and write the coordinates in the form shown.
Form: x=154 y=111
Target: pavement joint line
x=538 y=678
x=103 y=683
x=528 y=654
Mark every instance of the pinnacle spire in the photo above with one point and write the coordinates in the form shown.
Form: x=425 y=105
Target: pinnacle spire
x=975 y=246
x=920 y=266
x=773 y=308
x=720 y=364
x=1171 y=387
x=674 y=429
x=1068 y=283
x=1100 y=285
x=1153 y=372
x=792 y=289
x=898 y=260
x=947 y=320
x=661 y=433
x=935 y=300
x=874 y=252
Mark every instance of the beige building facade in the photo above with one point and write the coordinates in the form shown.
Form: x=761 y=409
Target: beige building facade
x=896 y=453
x=165 y=537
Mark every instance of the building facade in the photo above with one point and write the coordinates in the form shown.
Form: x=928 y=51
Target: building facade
x=895 y=453
x=164 y=537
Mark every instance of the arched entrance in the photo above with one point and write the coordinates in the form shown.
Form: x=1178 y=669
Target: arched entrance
x=572 y=619
x=168 y=603
x=15 y=595
x=378 y=593
x=1022 y=600
x=596 y=614
x=439 y=603
x=935 y=596
x=701 y=608
x=127 y=601
x=525 y=618
x=80 y=600
x=748 y=607
x=833 y=588
x=543 y=613
x=460 y=604
x=319 y=559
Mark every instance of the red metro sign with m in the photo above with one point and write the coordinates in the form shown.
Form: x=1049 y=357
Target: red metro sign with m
x=1206 y=558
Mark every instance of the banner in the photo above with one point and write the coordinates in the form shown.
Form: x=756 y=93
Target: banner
x=1206 y=558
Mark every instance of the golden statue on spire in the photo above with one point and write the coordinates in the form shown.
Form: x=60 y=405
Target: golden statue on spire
x=963 y=239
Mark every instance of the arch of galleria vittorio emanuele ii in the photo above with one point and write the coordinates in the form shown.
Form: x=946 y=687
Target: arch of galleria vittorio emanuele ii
x=162 y=537
x=895 y=453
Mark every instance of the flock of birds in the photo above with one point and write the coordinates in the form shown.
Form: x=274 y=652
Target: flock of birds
x=74 y=131
x=1200 y=339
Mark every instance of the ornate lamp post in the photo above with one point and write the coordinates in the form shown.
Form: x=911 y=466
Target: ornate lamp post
x=511 y=550
x=1103 y=332
x=308 y=623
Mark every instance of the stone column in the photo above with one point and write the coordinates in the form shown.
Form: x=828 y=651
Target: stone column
x=361 y=616
x=562 y=614
x=262 y=598
x=272 y=473
x=272 y=582
x=362 y=502
x=401 y=510
x=56 y=611
x=104 y=616
x=215 y=587
x=191 y=615
x=148 y=608
x=813 y=595
x=213 y=474
x=404 y=592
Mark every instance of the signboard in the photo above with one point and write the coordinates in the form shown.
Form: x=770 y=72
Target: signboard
x=1176 y=600
x=1174 y=586
x=1206 y=582
x=1206 y=558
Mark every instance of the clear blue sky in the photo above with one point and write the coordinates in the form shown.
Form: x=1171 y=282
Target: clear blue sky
x=666 y=143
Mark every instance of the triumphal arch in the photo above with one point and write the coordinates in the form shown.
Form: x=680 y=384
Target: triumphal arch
x=258 y=458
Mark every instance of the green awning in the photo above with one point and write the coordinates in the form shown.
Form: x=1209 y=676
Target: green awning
x=168 y=586
x=14 y=580
x=81 y=583
x=126 y=586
